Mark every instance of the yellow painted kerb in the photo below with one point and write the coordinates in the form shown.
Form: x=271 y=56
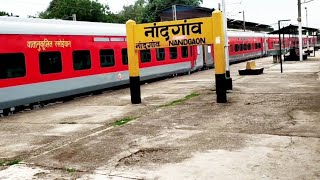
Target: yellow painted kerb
x=133 y=61
x=219 y=42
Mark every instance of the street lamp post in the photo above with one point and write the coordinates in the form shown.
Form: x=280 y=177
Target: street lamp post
x=244 y=21
x=308 y=48
x=300 y=31
x=280 y=43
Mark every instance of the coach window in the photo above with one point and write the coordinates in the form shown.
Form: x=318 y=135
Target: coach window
x=259 y=45
x=50 y=62
x=184 y=51
x=124 y=53
x=161 y=54
x=245 y=46
x=249 y=46
x=12 y=66
x=107 y=58
x=173 y=53
x=237 y=47
x=81 y=60
x=145 y=56
x=191 y=50
x=241 y=47
x=256 y=45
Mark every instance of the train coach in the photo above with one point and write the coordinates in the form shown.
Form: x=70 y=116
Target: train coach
x=41 y=60
x=242 y=46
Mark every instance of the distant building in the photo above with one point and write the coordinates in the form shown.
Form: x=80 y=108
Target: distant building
x=188 y=12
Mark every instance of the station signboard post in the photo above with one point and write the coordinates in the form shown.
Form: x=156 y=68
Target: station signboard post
x=190 y=32
x=175 y=33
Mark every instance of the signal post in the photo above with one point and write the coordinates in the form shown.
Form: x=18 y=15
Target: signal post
x=190 y=32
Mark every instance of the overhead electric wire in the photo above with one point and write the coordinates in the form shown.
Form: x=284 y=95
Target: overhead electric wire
x=307 y=1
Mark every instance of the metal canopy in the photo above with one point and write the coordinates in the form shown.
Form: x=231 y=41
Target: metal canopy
x=293 y=29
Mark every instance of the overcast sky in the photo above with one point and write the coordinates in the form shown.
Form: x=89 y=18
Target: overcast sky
x=260 y=11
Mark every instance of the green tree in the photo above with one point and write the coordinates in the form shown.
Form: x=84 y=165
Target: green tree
x=113 y=18
x=134 y=12
x=2 y=13
x=151 y=10
x=85 y=10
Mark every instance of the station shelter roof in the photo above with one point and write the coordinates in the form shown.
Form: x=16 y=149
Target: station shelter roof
x=293 y=29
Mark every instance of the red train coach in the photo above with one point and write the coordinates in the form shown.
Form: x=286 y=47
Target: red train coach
x=45 y=60
x=246 y=45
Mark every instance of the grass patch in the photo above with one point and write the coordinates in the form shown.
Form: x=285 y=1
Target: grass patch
x=123 y=121
x=70 y=170
x=180 y=101
x=68 y=123
x=9 y=163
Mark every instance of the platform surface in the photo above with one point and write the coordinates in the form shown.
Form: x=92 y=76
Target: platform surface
x=269 y=129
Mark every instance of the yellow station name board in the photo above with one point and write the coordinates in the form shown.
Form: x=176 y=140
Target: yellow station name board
x=190 y=32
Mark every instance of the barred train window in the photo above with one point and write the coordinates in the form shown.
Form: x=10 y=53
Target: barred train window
x=241 y=47
x=237 y=47
x=145 y=56
x=124 y=53
x=259 y=45
x=12 y=65
x=245 y=47
x=173 y=53
x=50 y=62
x=184 y=51
x=161 y=54
x=81 y=60
x=107 y=58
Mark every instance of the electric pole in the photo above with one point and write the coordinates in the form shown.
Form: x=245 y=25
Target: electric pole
x=226 y=49
x=300 y=31
x=308 y=48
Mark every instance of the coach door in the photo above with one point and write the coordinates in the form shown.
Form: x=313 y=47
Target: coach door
x=208 y=56
x=200 y=58
x=265 y=46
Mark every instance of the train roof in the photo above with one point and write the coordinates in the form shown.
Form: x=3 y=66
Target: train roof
x=30 y=26
x=16 y=25
x=245 y=34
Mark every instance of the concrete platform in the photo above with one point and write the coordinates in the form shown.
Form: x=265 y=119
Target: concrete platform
x=269 y=129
